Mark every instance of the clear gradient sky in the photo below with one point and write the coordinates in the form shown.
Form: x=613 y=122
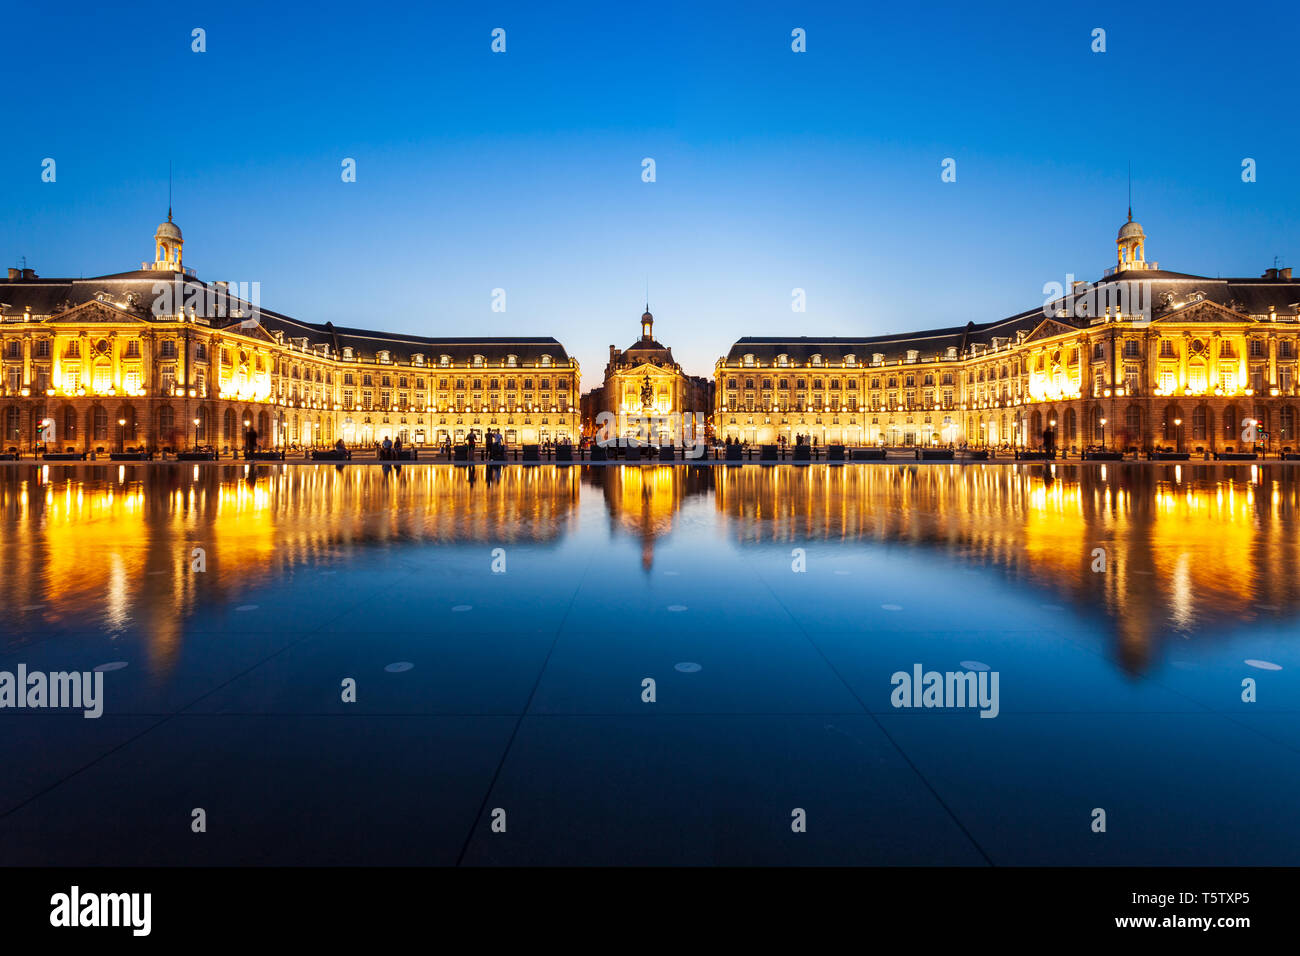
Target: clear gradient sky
x=775 y=170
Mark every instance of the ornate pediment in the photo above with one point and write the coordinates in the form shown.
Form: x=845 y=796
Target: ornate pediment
x=1049 y=328
x=251 y=329
x=1204 y=310
x=95 y=312
x=649 y=368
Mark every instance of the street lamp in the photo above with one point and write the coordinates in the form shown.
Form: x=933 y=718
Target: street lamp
x=1178 y=424
x=121 y=434
x=196 y=434
x=1103 y=434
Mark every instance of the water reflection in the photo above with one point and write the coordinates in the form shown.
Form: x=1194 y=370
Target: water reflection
x=1186 y=550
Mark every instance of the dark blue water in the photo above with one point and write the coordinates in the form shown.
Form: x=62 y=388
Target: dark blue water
x=770 y=606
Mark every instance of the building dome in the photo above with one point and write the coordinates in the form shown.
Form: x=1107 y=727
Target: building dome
x=168 y=230
x=1131 y=230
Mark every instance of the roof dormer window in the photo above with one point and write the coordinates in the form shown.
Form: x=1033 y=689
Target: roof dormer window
x=444 y=360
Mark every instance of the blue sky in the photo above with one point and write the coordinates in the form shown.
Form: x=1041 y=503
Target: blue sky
x=775 y=170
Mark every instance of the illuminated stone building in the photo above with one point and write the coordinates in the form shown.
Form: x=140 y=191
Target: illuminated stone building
x=1142 y=358
x=644 y=382
x=156 y=358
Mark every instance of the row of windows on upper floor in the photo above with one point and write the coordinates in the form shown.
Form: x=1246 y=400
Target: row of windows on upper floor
x=909 y=381
x=749 y=360
x=385 y=357
x=167 y=347
x=1257 y=346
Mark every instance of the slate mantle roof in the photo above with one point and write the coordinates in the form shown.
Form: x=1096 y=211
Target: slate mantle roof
x=1246 y=295
x=50 y=296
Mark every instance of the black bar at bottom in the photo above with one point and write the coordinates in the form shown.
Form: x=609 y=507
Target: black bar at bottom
x=480 y=904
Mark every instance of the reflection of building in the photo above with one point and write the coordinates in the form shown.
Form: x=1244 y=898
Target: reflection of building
x=1201 y=550
x=644 y=501
x=643 y=382
x=1144 y=357
x=112 y=545
x=178 y=361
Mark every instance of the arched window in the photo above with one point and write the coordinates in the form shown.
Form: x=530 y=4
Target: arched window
x=99 y=423
x=1133 y=422
x=127 y=414
x=546 y=360
x=444 y=359
x=1199 y=422
x=1172 y=414
x=69 y=423
x=13 y=423
x=1231 y=423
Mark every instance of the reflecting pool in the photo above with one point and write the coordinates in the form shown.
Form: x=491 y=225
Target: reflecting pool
x=654 y=664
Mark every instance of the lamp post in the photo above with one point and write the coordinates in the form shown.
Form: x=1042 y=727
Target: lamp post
x=196 y=434
x=1103 y=434
x=247 y=446
x=121 y=435
x=1178 y=424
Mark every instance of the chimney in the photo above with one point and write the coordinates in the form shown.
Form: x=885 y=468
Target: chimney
x=1269 y=274
x=14 y=273
x=1285 y=274
x=30 y=274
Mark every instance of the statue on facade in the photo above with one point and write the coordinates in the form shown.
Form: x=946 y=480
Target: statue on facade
x=647 y=392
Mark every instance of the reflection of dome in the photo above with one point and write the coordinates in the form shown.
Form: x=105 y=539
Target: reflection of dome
x=1131 y=230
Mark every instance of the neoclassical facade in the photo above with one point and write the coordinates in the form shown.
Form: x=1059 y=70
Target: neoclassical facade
x=1142 y=358
x=643 y=383
x=156 y=358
